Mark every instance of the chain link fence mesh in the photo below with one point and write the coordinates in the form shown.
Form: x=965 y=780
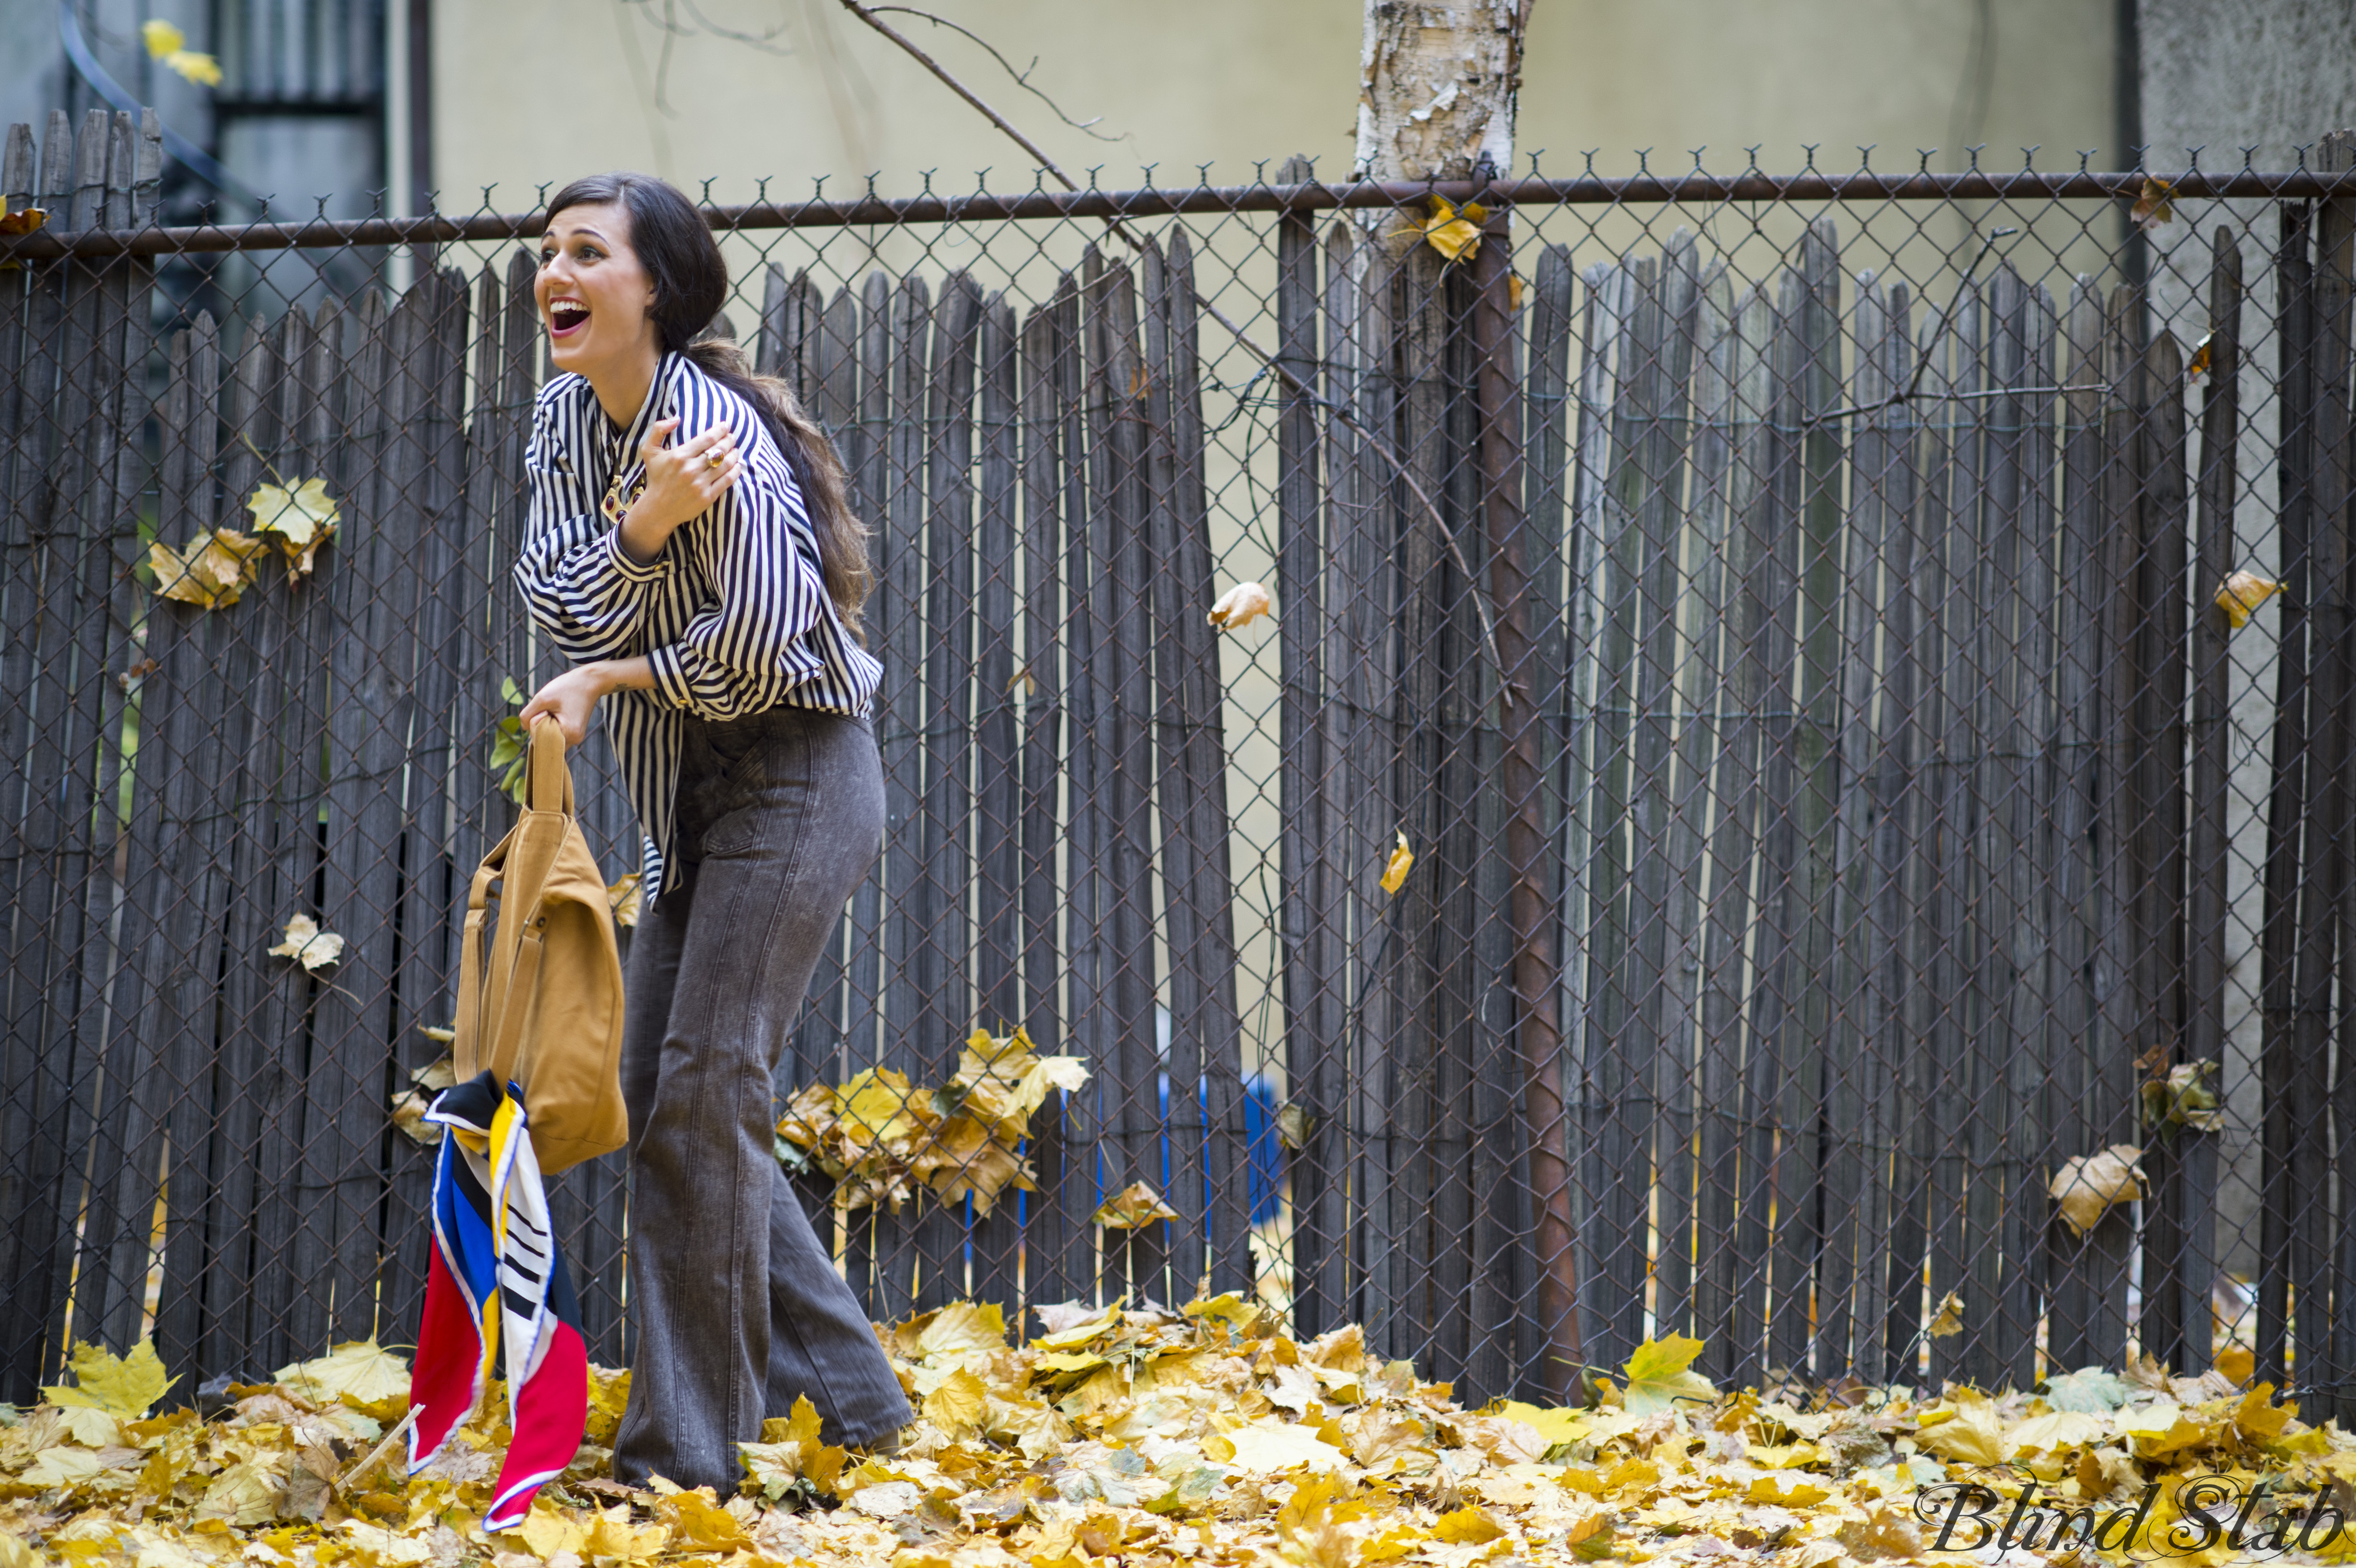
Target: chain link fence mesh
x=1874 y=906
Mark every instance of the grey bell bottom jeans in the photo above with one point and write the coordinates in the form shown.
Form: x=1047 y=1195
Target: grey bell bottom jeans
x=738 y=1309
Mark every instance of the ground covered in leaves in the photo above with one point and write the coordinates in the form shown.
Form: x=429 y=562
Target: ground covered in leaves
x=1114 y=1438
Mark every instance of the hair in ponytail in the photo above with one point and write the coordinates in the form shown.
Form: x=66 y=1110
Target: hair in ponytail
x=674 y=244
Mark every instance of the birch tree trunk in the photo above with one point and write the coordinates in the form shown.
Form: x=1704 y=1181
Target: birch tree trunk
x=1436 y=84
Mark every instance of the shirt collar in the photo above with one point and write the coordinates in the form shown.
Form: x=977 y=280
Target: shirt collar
x=659 y=401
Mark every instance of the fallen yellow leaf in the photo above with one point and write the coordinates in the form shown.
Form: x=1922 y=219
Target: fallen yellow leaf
x=120 y=1385
x=1657 y=1378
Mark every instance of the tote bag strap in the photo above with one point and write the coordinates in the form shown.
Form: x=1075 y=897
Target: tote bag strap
x=549 y=785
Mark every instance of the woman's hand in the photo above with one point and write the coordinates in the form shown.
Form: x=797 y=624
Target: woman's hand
x=571 y=697
x=682 y=483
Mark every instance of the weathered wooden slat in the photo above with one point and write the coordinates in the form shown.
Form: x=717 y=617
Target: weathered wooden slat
x=859 y=329
x=998 y=846
x=1310 y=940
x=1416 y=349
x=1721 y=730
x=1884 y=467
x=1806 y=1018
x=1618 y=1079
x=1360 y=594
x=2016 y=548
x=2210 y=801
x=1206 y=1038
x=2086 y=1278
x=1660 y=887
x=103 y=1002
x=63 y=637
x=898 y=611
x=1074 y=1137
x=944 y=956
x=1123 y=721
x=1850 y=1273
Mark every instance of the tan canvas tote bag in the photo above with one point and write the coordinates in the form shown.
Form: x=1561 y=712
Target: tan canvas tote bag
x=540 y=998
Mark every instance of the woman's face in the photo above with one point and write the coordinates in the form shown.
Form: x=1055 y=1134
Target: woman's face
x=594 y=295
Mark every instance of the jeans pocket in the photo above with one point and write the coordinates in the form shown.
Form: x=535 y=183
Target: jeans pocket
x=737 y=797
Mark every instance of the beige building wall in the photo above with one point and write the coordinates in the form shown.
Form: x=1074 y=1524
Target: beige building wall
x=534 y=90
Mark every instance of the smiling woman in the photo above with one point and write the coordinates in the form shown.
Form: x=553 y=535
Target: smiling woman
x=691 y=553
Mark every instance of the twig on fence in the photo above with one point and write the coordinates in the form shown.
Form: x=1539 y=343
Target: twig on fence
x=1291 y=378
x=1922 y=362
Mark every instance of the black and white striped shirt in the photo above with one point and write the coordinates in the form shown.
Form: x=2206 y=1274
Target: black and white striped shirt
x=734 y=615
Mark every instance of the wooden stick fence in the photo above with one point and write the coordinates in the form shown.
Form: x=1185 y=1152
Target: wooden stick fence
x=1842 y=836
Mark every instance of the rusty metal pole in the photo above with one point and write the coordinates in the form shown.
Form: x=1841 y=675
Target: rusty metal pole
x=1522 y=711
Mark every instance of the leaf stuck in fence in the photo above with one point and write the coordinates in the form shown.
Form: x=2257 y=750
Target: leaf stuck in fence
x=2153 y=207
x=511 y=748
x=2087 y=1187
x=626 y=898
x=1133 y=1207
x=20 y=220
x=1240 y=605
x=1453 y=231
x=1948 y=1321
x=211 y=572
x=2241 y=593
x=301 y=517
x=1402 y=861
x=305 y=943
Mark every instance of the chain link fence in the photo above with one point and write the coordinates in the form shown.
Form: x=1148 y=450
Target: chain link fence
x=1873 y=905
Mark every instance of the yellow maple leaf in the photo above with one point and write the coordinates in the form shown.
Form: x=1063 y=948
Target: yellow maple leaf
x=125 y=1386
x=1949 y=1319
x=361 y=1371
x=161 y=36
x=611 y=1534
x=1657 y=1378
x=547 y=1532
x=307 y=944
x=1402 y=861
x=959 y=1405
x=699 y=1524
x=302 y=518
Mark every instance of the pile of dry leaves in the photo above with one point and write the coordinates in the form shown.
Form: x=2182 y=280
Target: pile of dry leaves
x=1207 y=1435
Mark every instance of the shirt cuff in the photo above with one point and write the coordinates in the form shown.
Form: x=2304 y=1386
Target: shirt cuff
x=671 y=678
x=629 y=570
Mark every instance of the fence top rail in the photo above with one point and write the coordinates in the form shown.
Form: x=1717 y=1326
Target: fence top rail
x=872 y=210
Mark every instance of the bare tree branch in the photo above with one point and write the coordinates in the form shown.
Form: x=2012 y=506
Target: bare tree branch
x=1022 y=78
x=867 y=14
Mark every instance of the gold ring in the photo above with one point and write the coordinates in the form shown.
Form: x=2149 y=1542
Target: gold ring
x=716 y=458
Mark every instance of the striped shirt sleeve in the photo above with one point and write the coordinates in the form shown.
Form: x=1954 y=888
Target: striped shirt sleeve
x=749 y=644
x=578 y=583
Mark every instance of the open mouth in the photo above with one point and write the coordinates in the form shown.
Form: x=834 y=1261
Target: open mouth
x=567 y=315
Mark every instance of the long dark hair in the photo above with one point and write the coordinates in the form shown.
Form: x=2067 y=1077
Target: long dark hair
x=675 y=246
